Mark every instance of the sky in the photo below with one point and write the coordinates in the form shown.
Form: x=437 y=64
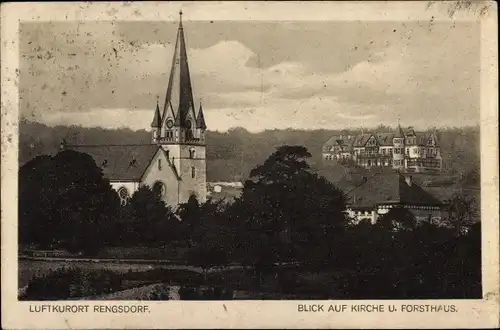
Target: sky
x=254 y=74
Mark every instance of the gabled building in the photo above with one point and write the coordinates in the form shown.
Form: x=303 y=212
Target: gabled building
x=381 y=192
x=174 y=163
x=403 y=150
x=338 y=147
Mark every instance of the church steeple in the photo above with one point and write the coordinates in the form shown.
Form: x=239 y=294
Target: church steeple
x=179 y=96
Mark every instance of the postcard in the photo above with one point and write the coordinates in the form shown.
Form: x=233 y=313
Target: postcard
x=250 y=165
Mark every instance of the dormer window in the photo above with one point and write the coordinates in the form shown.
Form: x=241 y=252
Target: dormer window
x=104 y=163
x=133 y=162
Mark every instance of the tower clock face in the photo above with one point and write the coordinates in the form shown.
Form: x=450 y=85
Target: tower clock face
x=170 y=123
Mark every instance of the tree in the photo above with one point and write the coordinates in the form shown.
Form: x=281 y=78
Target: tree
x=287 y=210
x=148 y=220
x=190 y=214
x=208 y=233
x=66 y=200
x=398 y=219
x=461 y=212
x=36 y=187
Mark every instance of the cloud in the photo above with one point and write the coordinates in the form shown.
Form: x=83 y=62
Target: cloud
x=347 y=116
x=103 y=74
x=105 y=118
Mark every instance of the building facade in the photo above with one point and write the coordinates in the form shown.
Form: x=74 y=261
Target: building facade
x=174 y=163
x=385 y=191
x=404 y=150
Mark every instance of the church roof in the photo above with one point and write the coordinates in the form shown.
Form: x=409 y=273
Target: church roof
x=157 y=119
x=390 y=188
x=179 y=90
x=120 y=162
x=200 y=121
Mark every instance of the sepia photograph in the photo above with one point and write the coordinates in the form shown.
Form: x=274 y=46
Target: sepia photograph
x=199 y=159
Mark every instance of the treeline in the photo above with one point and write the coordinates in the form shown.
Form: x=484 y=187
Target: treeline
x=231 y=155
x=285 y=214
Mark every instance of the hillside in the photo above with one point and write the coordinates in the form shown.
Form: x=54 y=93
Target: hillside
x=231 y=155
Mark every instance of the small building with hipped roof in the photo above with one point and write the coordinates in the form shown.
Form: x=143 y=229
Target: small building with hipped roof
x=381 y=192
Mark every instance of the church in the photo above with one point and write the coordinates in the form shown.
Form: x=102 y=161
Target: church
x=174 y=163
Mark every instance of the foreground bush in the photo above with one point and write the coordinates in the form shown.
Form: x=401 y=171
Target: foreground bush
x=71 y=283
x=205 y=293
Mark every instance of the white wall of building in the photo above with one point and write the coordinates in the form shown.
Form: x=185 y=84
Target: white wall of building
x=159 y=170
x=130 y=186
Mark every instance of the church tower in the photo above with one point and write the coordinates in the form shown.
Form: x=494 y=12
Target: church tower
x=398 y=150
x=180 y=127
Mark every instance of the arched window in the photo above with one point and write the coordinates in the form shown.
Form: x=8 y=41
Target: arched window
x=193 y=172
x=159 y=188
x=192 y=153
x=189 y=132
x=124 y=195
x=193 y=194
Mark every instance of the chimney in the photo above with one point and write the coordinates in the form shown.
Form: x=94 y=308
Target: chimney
x=408 y=180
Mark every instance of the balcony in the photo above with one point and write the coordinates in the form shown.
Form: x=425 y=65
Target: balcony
x=372 y=156
x=165 y=139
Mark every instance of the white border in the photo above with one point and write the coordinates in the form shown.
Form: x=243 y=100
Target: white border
x=250 y=314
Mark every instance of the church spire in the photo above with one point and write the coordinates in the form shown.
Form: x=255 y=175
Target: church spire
x=156 y=123
x=200 y=121
x=179 y=94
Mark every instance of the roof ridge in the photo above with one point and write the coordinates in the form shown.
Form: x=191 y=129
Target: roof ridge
x=111 y=145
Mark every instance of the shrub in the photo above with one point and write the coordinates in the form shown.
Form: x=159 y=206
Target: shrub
x=71 y=283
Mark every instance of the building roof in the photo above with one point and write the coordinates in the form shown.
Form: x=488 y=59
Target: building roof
x=157 y=118
x=421 y=138
x=341 y=140
x=343 y=176
x=200 y=121
x=390 y=188
x=399 y=132
x=409 y=131
x=361 y=139
x=385 y=139
x=120 y=162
